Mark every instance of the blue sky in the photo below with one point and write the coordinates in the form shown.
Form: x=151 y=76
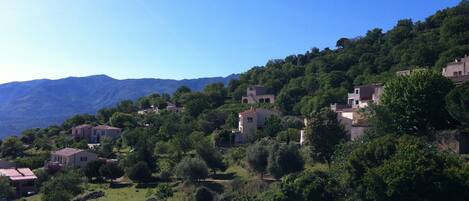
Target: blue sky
x=179 y=39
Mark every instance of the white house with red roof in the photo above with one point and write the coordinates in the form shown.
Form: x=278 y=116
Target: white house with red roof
x=23 y=180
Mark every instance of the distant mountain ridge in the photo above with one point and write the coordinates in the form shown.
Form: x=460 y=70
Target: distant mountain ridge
x=39 y=103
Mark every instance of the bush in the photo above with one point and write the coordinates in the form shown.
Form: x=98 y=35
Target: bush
x=6 y=192
x=111 y=171
x=140 y=172
x=192 y=169
x=61 y=187
x=203 y=194
x=92 y=169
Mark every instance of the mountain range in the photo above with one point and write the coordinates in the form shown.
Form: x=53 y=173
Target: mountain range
x=39 y=103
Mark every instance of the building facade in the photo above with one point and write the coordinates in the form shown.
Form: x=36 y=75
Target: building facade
x=101 y=131
x=350 y=116
x=94 y=134
x=257 y=94
x=458 y=71
x=71 y=158
x=23 y=180
x=82 y=131
x=250 y=120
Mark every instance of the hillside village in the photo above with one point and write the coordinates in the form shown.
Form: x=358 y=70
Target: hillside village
x=350 y=115
x=303 y=120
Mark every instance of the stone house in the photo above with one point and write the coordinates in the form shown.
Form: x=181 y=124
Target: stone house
x=458 y=71
x=71 y=158
x=23 y=180
x=257 y=94
x=456 y=141
x=350 y=114
x=82 y=131
x=94 y=134
x=250 y=120
x=98 y=132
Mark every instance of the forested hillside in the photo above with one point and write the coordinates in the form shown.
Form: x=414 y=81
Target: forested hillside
x=39 y=103
x=187 y=152
x=310 y=81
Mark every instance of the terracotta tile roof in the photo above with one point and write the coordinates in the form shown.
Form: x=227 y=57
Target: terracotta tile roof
x=67 y=151
x=106 y=127
x=248 y=111
x=84 y=126
x=18 y=174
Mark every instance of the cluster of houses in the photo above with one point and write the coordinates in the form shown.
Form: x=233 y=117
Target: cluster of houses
x=23 y=180
x=349 y=114
x=94 y=134
x=356 y=123
x=171 y=107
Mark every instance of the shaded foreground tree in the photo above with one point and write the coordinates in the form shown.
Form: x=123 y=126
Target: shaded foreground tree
x=407 y=169
x=284 y=159
x=111 y=171
x=63 y=186
x=457 y=104
x=6 y=192
x=323 y=133
x=203 y=194
x=139 y=172
x=92 y=169
x=256 y=156
x=212 y=157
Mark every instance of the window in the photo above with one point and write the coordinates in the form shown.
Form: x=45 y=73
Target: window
x=267 y=100
x=250 y=119
x=261 y=100
x=83 y=158
x=356 y=91
x=460 y=73
x=245 y=100
x=356 y=102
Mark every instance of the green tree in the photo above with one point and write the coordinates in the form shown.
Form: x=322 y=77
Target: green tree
x=407 y=168
x=192 y=169
x=111 y=171
x=106 y=147
x=323 y=133
x=196 y=103
x=6 y=191
x=126 y=106
x=203 y=194
x=212 y=157
x=61 y=187
x=103 y=115
x=78 y=120
x=12 y=147
x=415 y=104
x=180 y=92
x=123 y=120
x=92 y=169
x=216 y=94
x=284 y=159
x=164 y=191
x=273 y=125
x=310 y=185
x=457 y=103
x=256 y=156
x=140 y=172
